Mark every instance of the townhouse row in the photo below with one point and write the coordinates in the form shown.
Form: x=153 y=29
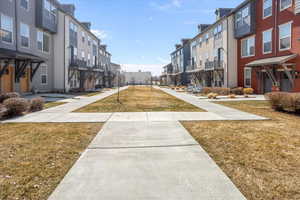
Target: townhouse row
x=44 y=48
x=256 y=44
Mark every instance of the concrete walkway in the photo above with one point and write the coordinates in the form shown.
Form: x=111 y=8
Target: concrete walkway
x=145 y=161
x=223 y=111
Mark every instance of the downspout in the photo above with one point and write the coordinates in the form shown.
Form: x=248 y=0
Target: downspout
x=227 y=64
x=275 y=25
x=65 y=90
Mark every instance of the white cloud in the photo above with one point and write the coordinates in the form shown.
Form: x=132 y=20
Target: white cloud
x=166 y=6
x=156 y=69
x=101 y=34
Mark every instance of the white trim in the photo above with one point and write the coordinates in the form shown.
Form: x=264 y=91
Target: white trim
x=44 y=74
x=28 y=6
x=288 y=6
x=263 y=9
x=290 y=23
x=263 y=43
x=12 y=32
x=254 y=36
x=20 y=38
x=245 y=69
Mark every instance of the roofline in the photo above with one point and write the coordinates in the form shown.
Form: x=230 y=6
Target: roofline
x=234 y=10
x=82 y=26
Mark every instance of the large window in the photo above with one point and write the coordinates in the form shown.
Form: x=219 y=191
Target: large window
x=6 y=28
x=50 y=10
x=24 y=4
x=24 y=30
x=43 y=41
x=267 y=41
x=284 y=4
x=285 y=36
x=242 y=16
x=248 y=47
x=247 y=77
x=267 y=8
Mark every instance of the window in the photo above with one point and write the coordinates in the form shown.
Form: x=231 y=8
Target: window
x=50 y=10
x=83 y=37
x=242 y=16
x=43 y=41
x=24 y=30
x=248 y=47
x=24 y=4
x=6 y=28
x=83 y=55
x=44 y=74
x=285 y=36
x=89 y=41
x=284 y=4
x=267 y=8
x=267 y=41
x=247 y=77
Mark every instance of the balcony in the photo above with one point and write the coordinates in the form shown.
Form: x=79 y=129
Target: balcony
x=79 y=64
x=209 y=65
x=219 y=64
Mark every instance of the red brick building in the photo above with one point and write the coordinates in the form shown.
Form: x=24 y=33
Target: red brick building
x=268 y=36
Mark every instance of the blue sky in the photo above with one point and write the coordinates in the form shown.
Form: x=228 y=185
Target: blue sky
x=141 y=34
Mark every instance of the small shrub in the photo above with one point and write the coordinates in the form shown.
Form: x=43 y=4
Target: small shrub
x=276 y=100
x=8 y=95
x=206 y=90
x=237 y=91
x=248 y=91
x=37 y=104
x=212 y=95
x=2 y=110
x=232 y=96
x=15 y=106
x=221 y=91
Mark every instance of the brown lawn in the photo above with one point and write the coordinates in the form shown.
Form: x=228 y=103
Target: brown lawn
x=35 y=157
x=261 y=157
x=140 y=99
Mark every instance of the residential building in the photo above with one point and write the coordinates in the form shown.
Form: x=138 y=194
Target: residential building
x=180 y=59
x=26 y=44
x=167 y=74
x=105 y=63
x=77 y=64
x=137 y=78
x=268 y=45
x=213 y=61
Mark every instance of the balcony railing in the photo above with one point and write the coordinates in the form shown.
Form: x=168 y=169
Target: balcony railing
x=218 y=64
x=75 y=62
x=209 y=65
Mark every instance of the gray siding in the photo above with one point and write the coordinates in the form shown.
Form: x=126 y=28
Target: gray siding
x=247 y=28
x=8 y=8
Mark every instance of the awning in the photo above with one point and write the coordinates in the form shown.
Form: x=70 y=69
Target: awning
x=271 y=61
x=195 y=71
x=11 y=54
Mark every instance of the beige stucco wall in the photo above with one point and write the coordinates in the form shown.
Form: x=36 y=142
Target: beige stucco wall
x=207 y=49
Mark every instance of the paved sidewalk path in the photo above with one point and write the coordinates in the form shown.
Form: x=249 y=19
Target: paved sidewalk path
x=223 y=111
x=145 y=161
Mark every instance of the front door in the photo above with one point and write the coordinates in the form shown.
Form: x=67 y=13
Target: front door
x=7 y=80
x=285 y=84
x=267 y=83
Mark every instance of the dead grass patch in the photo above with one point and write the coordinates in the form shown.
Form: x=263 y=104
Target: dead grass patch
x=262 y=158
x=140 y=99
x=35 y=157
